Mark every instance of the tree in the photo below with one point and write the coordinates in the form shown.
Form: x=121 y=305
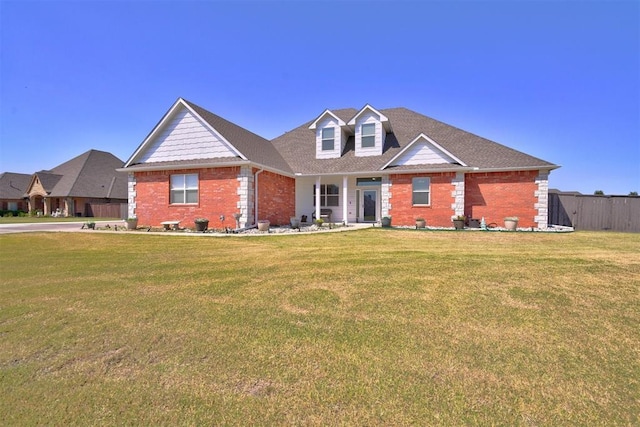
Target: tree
x=633 y=193
x=598 y=193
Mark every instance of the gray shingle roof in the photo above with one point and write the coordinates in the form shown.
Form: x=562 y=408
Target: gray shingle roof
x=295 y=151
x=91 y=174
x=254 y=147
x=298 y=147
x=13 y=185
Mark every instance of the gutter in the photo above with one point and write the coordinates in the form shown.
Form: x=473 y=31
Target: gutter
x=152 y=167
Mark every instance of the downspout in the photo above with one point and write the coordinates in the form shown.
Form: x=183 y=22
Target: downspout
x=255 y=201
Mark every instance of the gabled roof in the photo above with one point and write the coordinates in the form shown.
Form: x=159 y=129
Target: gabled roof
x=13 y=185
x=419 y=138
x=92 y=174
x=383 y=119
x=248 y=146
x=477 y=153
x=327 y=112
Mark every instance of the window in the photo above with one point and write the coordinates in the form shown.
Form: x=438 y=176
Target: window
x=184 y=188
x=368 y=181
x=368 y=135
x=329 y=195
x=328 y=138
x=421 y=191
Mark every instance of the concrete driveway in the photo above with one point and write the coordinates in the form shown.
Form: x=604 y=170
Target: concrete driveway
x=51 y=226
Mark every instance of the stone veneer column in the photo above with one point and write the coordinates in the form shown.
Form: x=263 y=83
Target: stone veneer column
x=458 y=194
x=131 y=190
x=246 y=193
x=542 y=193
x=385 y=196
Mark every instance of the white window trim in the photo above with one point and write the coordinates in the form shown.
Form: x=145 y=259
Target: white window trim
x=184 y=189
x=332 y=139
x=324 y=195
x=413 y=191
x=363 y=136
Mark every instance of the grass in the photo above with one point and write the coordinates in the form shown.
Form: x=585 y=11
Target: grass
x=371 y=327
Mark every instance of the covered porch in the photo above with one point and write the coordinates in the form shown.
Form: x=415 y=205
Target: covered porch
x=349 y=198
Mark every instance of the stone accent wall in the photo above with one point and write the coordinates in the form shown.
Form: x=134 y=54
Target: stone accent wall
x=131 y=190
x=385 y=196
x=496 y=195
x=542 y=193
x=218 y=195
x=458 y=194
x=438 y=213
x=276 y=198
x=245 y=205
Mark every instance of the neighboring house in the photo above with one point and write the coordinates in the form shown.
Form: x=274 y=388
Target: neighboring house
x=362 y=164
x=87 y=185
x=12 y=189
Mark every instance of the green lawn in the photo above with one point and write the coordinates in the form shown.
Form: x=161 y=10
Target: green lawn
x=370 y=327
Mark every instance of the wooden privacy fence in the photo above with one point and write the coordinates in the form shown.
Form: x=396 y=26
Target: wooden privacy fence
x=105 y=210
x=584 y=212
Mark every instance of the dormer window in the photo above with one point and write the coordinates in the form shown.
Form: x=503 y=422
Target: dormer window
x=370 y=128
x=368 y=135
x=328 y=139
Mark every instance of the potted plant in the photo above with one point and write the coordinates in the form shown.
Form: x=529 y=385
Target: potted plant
x=319 y=222
x=386 y=221
x=263 y=225
x=202 y=224
x=421 y=222
x=511 y=223
x=132 y=223
x=458 y=222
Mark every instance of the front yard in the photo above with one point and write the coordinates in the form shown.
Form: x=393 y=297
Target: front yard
x=369 y=327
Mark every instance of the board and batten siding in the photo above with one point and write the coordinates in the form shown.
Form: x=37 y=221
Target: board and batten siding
x=186 y=138
x=376 y=150
x=423 y=153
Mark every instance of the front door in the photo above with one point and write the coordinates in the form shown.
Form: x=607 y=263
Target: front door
x=369 y=198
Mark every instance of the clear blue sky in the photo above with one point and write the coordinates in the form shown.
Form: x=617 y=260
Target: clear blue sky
x=558 y=80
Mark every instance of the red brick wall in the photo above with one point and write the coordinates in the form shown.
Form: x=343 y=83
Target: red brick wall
x=276 y=198
x=496 y=195
x=218 y=195
x=438 y=214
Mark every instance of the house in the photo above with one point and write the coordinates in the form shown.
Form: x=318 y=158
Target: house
x=87 y=185
x=361 y=164
x=12 y=189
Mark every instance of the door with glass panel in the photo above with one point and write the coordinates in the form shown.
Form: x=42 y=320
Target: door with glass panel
x=369 y=198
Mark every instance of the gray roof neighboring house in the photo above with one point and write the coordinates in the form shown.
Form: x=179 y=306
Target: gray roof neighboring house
x=13 y=185
x=92 y=174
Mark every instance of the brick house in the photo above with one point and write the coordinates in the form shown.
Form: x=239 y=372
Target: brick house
x=12 y=191
x=362 y=164
x=87 y=185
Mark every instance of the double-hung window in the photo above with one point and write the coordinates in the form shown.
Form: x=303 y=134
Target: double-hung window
x=328 y=138
x=329 y=195
x=184 y=188
x=368 y=134
x=421 y=190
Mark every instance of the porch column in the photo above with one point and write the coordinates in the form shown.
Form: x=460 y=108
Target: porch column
x=345 y=200
x=318 y=197
x=68 y=207
x=47 y=206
